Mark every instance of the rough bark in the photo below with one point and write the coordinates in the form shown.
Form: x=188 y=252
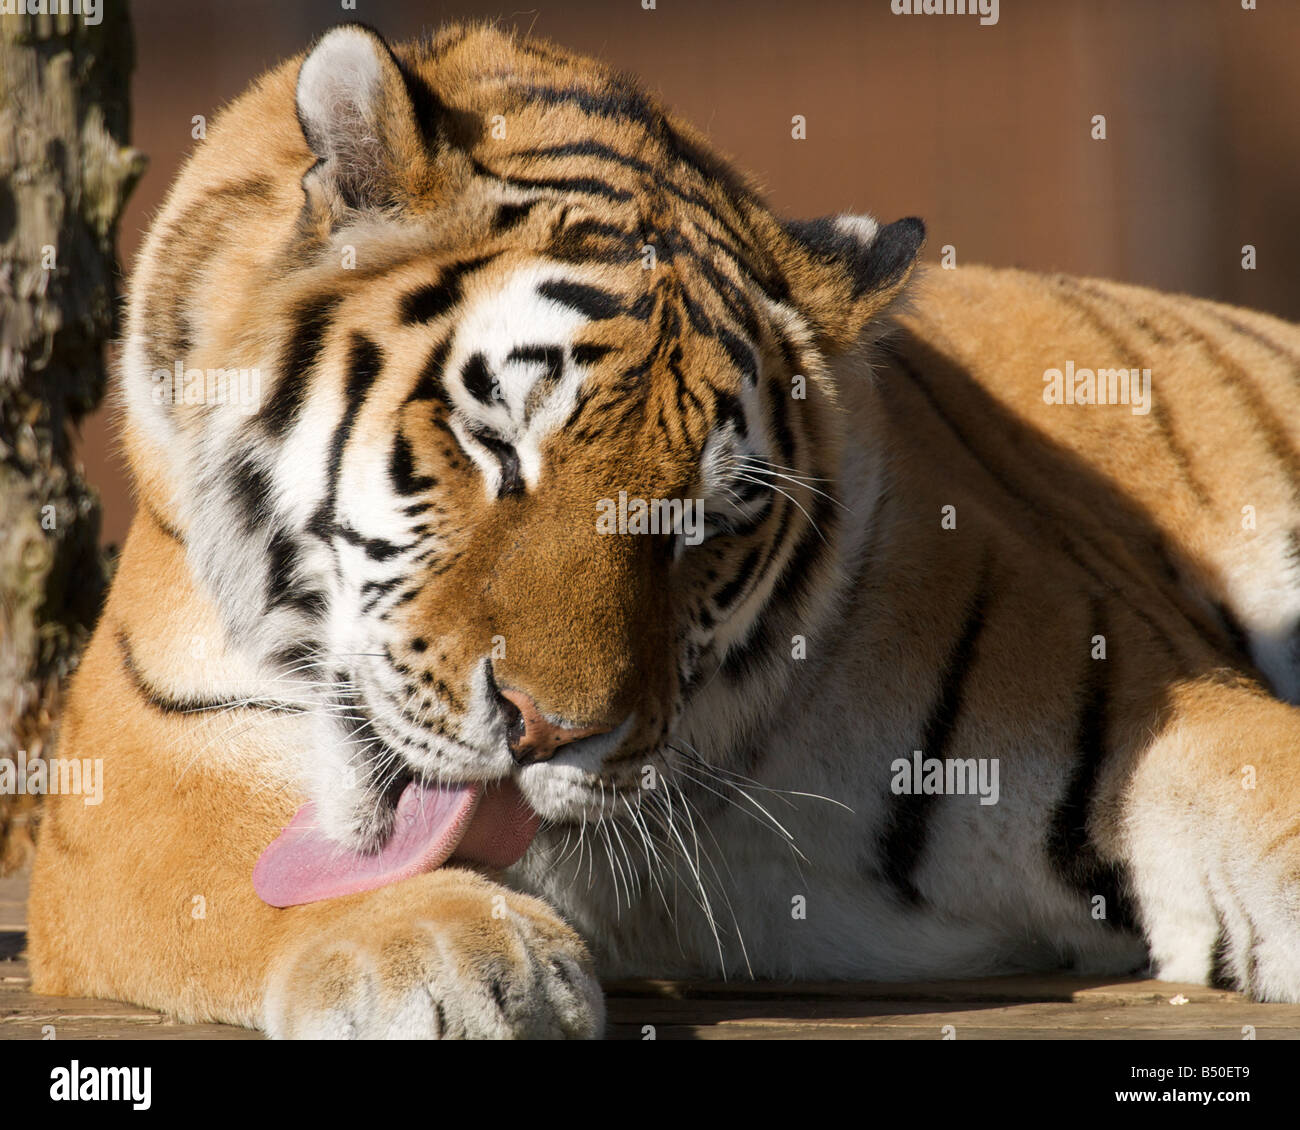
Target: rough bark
x=65 y=173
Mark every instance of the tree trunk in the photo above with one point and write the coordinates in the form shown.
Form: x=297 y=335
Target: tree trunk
x=65 y=173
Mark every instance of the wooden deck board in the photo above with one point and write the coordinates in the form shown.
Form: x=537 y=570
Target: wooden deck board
x=1057 y=1007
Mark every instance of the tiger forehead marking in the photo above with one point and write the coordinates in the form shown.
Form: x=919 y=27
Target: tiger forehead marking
x=515 y=365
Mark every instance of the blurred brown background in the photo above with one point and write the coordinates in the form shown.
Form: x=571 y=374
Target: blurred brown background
x=983 y=131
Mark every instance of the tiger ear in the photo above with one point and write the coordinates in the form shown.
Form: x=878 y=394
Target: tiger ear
x=844 y=271
x=359 y=119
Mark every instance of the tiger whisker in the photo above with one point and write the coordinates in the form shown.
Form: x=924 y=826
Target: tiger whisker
x=782 y=467
x=722 y=889
x=750 y=782
x=798 y=482
x=787 y=494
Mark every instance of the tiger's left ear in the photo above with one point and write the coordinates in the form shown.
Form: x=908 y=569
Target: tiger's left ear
x=844 y=271
x=359 y=118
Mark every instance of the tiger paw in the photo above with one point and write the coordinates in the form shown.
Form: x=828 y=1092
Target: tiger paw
x=444 y=956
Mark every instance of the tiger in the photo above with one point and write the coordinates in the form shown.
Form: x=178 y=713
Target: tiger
x=604 y=577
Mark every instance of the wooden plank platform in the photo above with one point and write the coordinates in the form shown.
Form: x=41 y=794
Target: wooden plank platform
x=1000 y=1008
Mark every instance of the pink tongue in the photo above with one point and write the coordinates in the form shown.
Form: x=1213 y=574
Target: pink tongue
x=492 y=825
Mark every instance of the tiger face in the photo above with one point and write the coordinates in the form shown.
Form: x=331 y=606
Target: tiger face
x=547 y=432
x=544 y=519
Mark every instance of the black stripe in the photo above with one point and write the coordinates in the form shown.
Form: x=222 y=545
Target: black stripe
x=429 y=385
x=740 y=663
x=590 y=186
x=282 y=560
x=1069 y=845
x=902 y=842
x=589 y=301
x=800 y=568
x=602 y=230
x=687 y=403
x=165 y=526
x=1274 y=431
x=249 y=489
x=733 y=298
x=1125 y=311
x=744 y=661
x=642 y=308
x=738 y=250
x=187 y=244
x=310 y=320
x=282 y=587
x=1221 y=974
x=433 y=300
x=538 y=49
x=727 y=410
x=377 y=549
x=742 y=356
x=715 y=169
x=590 y=354
x=592 y=239
x=552 y=356
x=618 y=101
x=428 y=302
x=587 y=148
x=365 y=361
x=724 y=597
x=789 y=353
x=1263 y=341
x=507 y=457
x=797 y=574
x=401 y=469
x=622 y=102
x=1072 y=297
x=477 y=379
x=170 y=704
x=1033 y=508
x=509 y=215
x=777 y=400
x=1230 y=640
x=700 y=321
x=535 y=353
x=372 y=592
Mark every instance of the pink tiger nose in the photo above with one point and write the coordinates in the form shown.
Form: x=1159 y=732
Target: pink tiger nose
x=530 y=736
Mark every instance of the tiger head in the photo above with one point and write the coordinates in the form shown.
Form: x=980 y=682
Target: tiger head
x=542 y=477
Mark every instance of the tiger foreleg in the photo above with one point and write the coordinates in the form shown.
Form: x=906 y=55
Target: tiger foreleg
x=1212 y=823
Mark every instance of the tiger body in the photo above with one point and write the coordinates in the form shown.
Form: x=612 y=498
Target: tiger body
x=464 y=347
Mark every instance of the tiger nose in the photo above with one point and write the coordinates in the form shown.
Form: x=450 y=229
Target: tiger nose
x=530 y=736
